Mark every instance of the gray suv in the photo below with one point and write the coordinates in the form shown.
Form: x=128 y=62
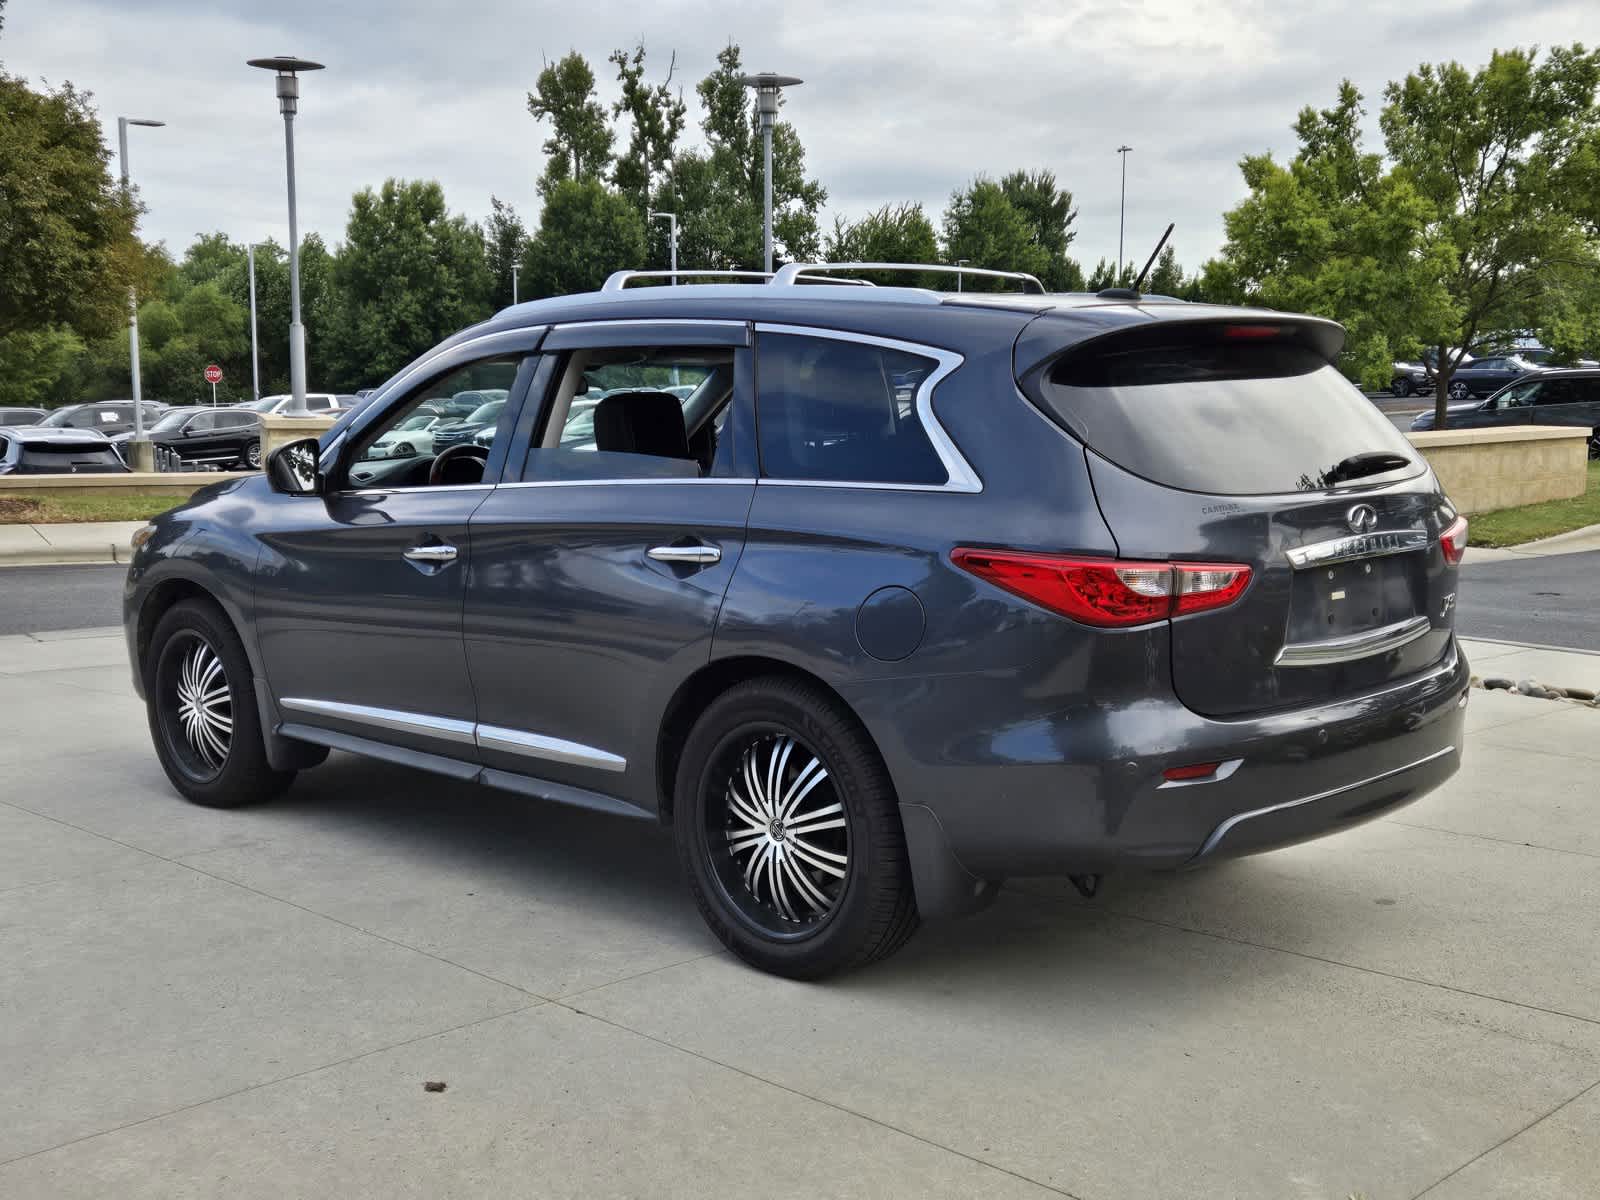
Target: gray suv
x=876 y=596
x=1551 y=397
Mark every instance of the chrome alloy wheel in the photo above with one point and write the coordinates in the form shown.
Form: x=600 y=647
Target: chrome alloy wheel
x=197 y=705
x=785 y=837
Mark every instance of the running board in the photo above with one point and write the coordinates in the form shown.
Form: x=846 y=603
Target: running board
x=455 y=768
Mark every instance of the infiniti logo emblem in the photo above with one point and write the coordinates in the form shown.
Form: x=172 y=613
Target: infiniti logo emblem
x=1362 y=518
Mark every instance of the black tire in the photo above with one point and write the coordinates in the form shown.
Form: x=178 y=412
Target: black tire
x=240 y=774
x=250 y=460
x=1402 y=388
x=1594 y=444
x=1459 y=392
x=405 y=450
x=873 y=910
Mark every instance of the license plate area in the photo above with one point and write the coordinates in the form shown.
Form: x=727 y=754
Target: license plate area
x=1353 y=597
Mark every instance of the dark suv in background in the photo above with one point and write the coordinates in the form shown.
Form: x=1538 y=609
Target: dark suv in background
x=1554 y=397
x=876 y=596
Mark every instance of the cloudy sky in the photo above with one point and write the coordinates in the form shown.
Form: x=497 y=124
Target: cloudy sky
x=902 y=101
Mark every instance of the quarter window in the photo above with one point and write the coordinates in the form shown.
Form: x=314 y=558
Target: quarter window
x=835 y=410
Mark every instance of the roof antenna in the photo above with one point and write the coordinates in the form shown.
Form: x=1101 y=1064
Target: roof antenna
x=1151 y=261
x=1132 y=293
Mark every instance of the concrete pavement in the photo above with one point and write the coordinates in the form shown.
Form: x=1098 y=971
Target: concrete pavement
x=248 y=1003
x=83 y=542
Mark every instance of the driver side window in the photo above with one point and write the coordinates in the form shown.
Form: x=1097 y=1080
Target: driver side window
x=464 y=408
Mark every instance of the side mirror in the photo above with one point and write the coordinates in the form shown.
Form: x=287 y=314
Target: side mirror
x=292 y=469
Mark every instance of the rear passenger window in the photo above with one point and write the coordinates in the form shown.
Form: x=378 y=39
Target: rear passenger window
x=842 y=411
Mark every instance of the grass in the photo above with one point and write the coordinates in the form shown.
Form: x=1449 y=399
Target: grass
x=1513 y=526
x=33 y=508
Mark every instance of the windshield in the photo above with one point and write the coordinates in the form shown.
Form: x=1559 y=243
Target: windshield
x=170 y=421
x=266 y=404
x=421 y=421
x=58 y=418
x=485 y=413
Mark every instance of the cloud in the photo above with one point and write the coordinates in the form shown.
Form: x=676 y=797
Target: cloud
x=901 y=101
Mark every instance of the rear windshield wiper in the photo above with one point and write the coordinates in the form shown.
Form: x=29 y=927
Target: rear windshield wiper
x=1358 y=466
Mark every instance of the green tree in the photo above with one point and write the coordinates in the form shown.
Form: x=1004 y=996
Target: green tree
x=657 y=117
x=67 y=251
x=409 y=274
x=505 y=241
x=1048 y=211
x=32 y=361
x=982 y=225
x=894 y=233
x=1491 y=152
x=586 y=231
x=718 y=193
x=1336 y=234
x=579 y=145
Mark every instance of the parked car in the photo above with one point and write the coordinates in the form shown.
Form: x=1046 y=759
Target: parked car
x=21 y=416
x=411 y=437
x=225 y=438
x=1128 y=586
x=109 y=417
x=1554 y=397
x=36 y=450
x=318 y=404
x=1484 y=376
x=454 y=433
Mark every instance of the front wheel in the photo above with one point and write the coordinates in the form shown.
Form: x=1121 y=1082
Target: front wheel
x=200 y=701
x=1401 y=388
x=789 y=831
x=1594 y=444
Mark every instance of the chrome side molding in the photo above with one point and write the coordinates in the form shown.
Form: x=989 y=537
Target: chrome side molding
x=487 y=737
x=1360 y=545
x=1353 y=646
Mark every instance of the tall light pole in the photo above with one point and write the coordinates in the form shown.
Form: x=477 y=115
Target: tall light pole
x=515 y=267
x=767 y=87
x=672 y=239
x=1123 y=217
x=133 y=292
x=255 y=355
x=287 y=68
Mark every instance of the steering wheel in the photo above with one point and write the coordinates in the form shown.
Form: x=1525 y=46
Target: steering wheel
x=451 y=464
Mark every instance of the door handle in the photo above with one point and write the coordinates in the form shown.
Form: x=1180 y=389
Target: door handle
x=432 y=554
x=698 y=555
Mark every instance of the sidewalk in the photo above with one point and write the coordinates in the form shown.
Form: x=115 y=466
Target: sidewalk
x=83 y=542
x=1574 y=541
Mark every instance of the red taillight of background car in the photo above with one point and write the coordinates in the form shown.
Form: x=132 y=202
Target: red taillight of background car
x=1108 y=592
x=1453 y=541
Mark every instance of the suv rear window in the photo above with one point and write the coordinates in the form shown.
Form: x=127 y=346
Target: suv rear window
x=1208 y=411
x=842 y=411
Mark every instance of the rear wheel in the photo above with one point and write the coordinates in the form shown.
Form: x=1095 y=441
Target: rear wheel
x=789 y=831
x=1401 y=387
x=1594 y=444
x=251 y=458
x=200 y=700
x=1459 y=391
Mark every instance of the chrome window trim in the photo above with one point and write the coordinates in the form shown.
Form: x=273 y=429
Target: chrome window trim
x=625 y=322
x=1377 y=544
x=1330 y=651
x=446 y=728
x=961 y=477
x=546 y=483
x=390 y=491
x=551 y=749
x=1221 y=831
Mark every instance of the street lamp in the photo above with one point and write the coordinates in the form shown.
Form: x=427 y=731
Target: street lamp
x=133 y=291
x=287 y=67
x=672 y=240
x=767 y=86
x=515 y=267
x=1123 y=217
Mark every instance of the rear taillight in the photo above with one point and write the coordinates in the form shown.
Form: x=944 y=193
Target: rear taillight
x=1108 y=592
x=1453 y=541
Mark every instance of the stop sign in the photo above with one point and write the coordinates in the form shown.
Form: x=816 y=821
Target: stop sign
x=213 y=374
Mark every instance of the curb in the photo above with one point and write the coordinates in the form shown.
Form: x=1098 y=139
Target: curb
x=1573 y=541
x=59 y=556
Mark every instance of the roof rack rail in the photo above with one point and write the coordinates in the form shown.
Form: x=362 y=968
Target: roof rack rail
x=796 y=272
x=617 y=280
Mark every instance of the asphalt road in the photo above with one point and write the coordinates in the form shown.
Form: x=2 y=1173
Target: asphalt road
x=41 y=599
x=1549 y=601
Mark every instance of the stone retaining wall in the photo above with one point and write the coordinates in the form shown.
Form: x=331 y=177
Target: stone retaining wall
x=1486 y=469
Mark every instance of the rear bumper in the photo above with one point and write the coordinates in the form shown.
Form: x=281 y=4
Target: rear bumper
x=1085 y=791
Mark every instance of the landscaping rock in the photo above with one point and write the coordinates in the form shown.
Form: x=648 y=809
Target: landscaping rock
x=1496 y=683
x=1584 y=694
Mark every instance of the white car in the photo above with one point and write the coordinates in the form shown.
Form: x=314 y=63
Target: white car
x=412 y=436
x=317 y=404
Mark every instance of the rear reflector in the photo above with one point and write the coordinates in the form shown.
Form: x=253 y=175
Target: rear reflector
x=1453 y=541
x=1108 y=592
x=1191 y=771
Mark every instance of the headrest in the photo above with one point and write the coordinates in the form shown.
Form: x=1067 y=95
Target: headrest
x=641 y=422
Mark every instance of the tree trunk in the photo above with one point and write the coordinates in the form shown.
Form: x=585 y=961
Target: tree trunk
x=1441 y=388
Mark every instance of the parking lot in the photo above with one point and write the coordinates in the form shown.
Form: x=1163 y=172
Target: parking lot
x=250 y=1003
